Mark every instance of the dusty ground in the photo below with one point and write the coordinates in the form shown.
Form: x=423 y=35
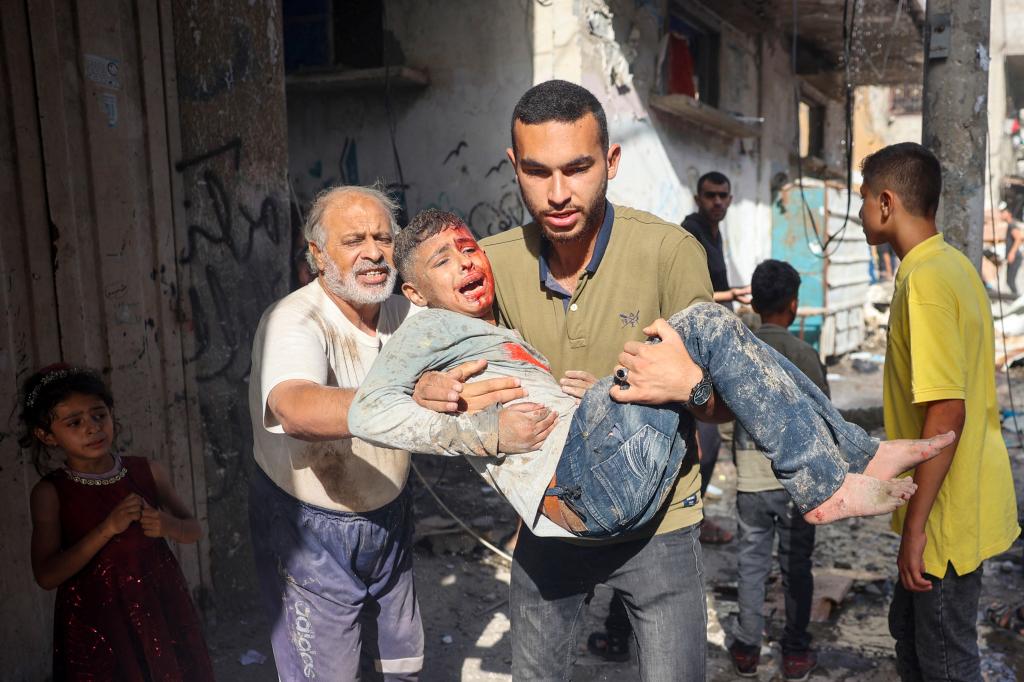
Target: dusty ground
x=463 y=589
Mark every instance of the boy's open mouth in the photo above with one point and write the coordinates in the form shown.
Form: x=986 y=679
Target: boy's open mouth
x=473 y=285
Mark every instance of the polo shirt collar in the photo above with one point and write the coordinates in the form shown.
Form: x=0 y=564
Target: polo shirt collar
x=920 y=252
x=604 y=235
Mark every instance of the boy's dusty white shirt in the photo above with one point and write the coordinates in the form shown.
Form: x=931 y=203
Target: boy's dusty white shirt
x=385 y=413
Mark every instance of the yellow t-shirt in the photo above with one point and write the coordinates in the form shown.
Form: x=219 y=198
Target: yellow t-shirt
x=941 y=347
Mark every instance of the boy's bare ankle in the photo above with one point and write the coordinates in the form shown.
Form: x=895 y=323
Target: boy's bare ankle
x=895 y=457
x=862 y=495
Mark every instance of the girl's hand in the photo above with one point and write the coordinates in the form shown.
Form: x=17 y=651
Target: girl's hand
x=128 y=510
x=155 y=523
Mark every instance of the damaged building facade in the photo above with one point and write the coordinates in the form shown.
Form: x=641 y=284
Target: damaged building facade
x=158 y=158
x=688 y=87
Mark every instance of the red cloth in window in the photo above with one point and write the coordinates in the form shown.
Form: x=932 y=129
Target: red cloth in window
x=680 y=66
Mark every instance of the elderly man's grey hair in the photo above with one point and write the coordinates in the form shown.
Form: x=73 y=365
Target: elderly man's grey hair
x=313 y=229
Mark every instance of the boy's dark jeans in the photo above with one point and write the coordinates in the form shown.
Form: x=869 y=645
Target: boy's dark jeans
x=620 y=461
x=936 y=632
x=761 y=515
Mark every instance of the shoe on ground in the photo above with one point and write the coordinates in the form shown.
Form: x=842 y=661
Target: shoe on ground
x=744 y=658
x=799 y=664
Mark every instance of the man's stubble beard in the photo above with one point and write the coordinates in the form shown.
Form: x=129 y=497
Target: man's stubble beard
x=349 y=289
x=594 y=217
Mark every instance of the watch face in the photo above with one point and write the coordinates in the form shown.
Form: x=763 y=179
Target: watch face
x=701 y=393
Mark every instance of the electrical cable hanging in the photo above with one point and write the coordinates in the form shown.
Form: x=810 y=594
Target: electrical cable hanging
x=807 y=214
x=387 y=102
x=504 y=555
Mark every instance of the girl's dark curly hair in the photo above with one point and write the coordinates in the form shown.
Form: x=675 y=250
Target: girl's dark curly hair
x=41 y=393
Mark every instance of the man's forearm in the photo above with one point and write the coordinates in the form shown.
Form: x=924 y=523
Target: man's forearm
x=311 y=412
x=940 y=417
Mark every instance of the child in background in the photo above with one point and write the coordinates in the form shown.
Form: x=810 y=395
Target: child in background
x=765 y=508
x=98 y=526
x=939 y=376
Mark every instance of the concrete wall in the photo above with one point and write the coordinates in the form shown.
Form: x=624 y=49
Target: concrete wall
x=452 y=135
x=875 y=126
x=233 y=230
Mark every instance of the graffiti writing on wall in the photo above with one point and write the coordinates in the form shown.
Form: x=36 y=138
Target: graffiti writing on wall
x=230 y=284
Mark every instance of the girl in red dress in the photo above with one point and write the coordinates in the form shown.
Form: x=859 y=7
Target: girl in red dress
x=123 y=610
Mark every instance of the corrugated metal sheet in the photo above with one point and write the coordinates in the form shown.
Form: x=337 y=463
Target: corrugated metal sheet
x=811 y=232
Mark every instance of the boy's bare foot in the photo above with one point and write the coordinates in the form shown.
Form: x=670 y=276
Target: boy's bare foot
x=862 y=495
x=896 y=456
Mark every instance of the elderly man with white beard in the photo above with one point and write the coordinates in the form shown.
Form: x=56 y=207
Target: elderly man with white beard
x=330 y=515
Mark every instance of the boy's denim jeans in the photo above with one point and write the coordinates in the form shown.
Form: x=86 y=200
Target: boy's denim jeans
x=620 y=461
x=660 y=578
x=792 y=422
x=936 y=632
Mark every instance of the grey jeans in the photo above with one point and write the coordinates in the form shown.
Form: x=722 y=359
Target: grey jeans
x=936 y=632
x=660 y=580
x=762 y=515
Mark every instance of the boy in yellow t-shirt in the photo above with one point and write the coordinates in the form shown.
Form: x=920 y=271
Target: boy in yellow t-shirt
x=939 y=376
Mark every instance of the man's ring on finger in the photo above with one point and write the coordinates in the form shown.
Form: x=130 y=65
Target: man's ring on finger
x=621 y=378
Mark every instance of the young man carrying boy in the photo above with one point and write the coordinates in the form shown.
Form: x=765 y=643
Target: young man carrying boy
x=606 y=467
x=939 y=376
x=764 y=507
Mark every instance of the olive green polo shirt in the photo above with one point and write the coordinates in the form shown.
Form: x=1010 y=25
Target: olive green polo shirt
x=647 y=269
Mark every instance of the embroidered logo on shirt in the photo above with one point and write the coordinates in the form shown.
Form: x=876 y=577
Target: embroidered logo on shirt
x=630 y=319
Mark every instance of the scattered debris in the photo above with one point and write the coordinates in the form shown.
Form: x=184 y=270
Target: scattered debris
x=864 y=366
x=434 y=525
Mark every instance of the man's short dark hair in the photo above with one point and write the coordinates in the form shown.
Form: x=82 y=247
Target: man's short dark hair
x=910 y=171
x=715 y=178
x=421 y=228
x=560 y=101
x=773 y=285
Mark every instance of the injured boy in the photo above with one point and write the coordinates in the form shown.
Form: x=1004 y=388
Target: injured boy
x=603 y=468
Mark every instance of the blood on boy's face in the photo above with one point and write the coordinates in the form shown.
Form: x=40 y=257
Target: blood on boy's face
x=453 y=273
